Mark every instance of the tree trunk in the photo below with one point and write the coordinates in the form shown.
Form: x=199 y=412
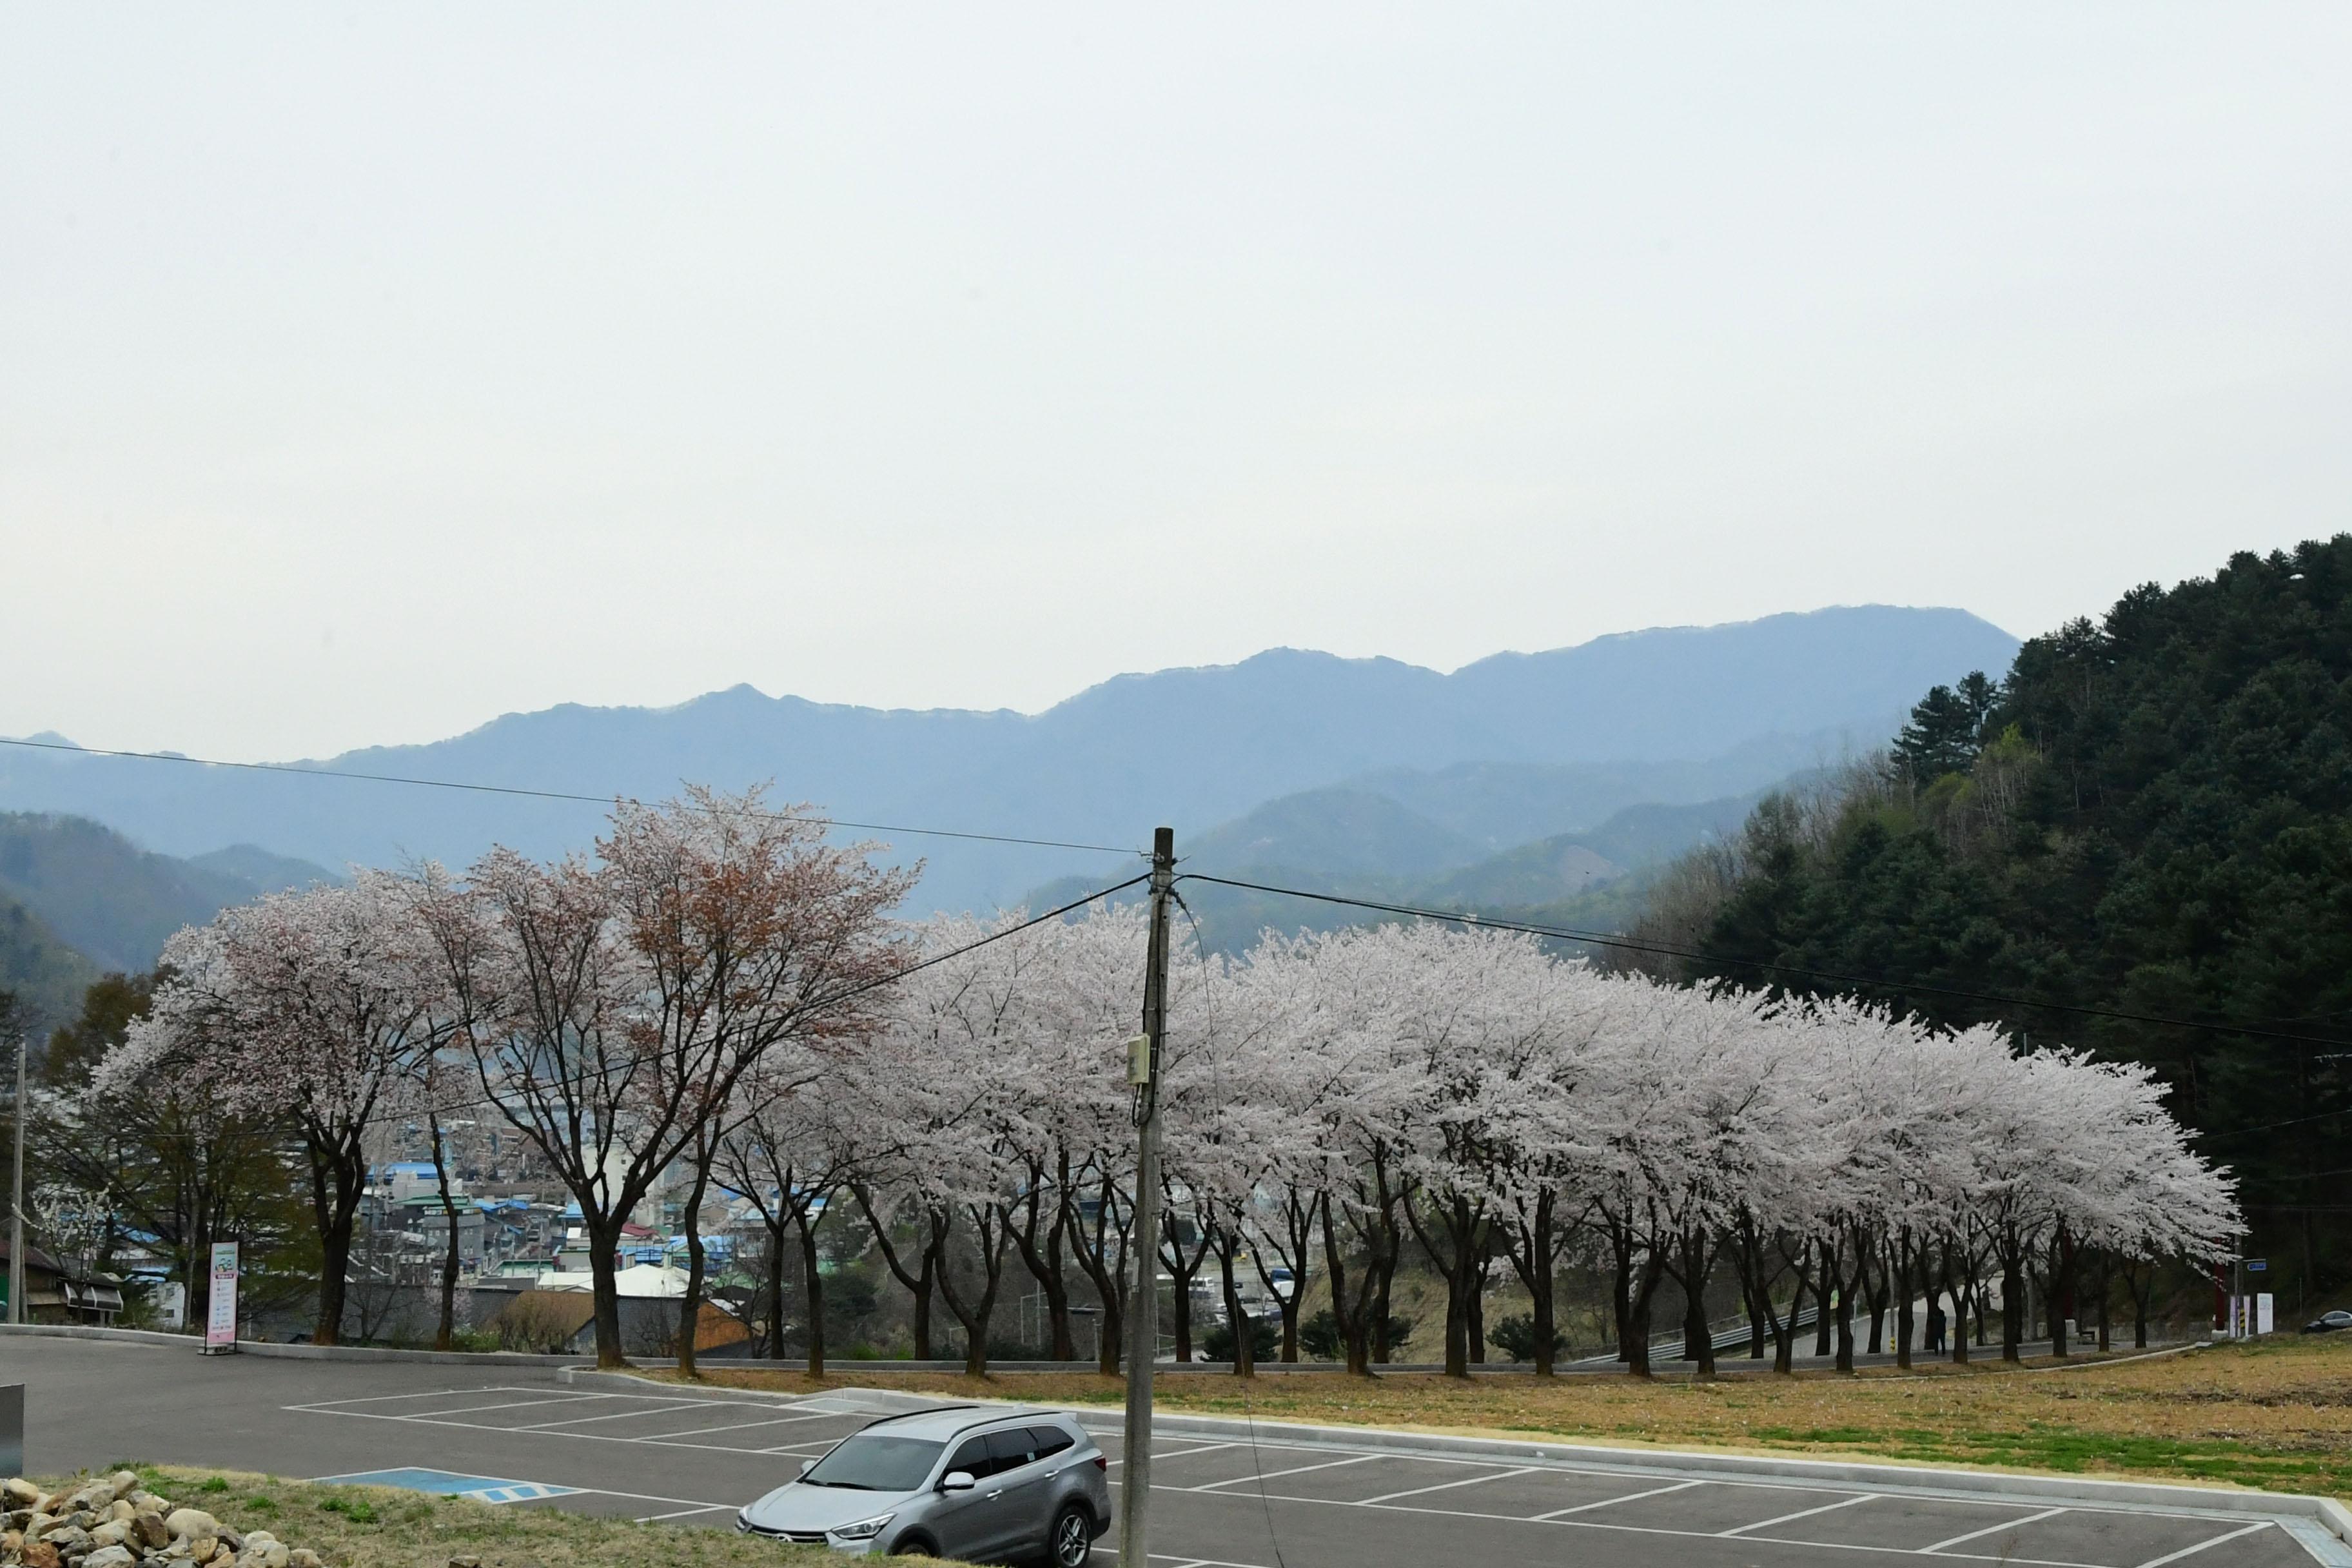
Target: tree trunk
x=1963 y=1273
x=1695 y=1253
x=978 y=1312
x=1351 y=1314
x=2106 y=1297
x=1107 y=1269
x=1905 y=1271
x=1531 y=1246
x=1297 y=1224
x=1384 y=1267
x=1044 y=1261
x=338 y=1182
x=775 y=1286
x=2012 y=1300
x=445 y=1336
x=811 y=1282
x=1453 y=1244
x=1784 y=1331
x=1824 y=1290
x=1182 y=1270
x=603 y=1245
x=1632 y=1285
x=689 y=1306
x=1850 y=1290
x=1245 y=1328
x=918 y=1282
x=2062 y=1289
x=1474 y=1319
x=1876 y=1296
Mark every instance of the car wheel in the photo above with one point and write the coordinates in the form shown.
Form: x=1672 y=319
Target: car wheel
x=1072 y=1540
x=913 y=1547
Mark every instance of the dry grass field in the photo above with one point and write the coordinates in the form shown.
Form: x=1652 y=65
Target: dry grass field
x=2276 y=1415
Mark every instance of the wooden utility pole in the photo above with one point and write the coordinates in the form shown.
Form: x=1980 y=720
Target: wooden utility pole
x=16 y=1200
x=1143 y=1302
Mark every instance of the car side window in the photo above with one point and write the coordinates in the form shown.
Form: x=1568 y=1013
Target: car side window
x=972 y=1457
x=1011 y=1448
x=1050 y=1440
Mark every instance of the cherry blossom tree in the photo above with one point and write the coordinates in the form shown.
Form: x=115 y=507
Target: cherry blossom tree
x=611 y=1010
x=318 y=1005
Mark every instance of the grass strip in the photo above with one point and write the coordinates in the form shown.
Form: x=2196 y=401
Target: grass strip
x=384 y=1527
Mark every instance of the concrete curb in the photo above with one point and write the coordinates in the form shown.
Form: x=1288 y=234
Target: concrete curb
x=293 y=1352
x=1681 y=1465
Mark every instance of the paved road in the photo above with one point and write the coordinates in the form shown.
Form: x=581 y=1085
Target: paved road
x=521 y=1439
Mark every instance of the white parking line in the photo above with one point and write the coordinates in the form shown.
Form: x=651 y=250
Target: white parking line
x=741 y=1425
x=616 y=1416
x=519 y=1405
x=1992 y=1529
x=1466 y=1481
x=1801 y=1513
x=1293 y=1470
x=2193 y=1550
x=1158 y=1453
x=431 y=1393
x=1614 y=1501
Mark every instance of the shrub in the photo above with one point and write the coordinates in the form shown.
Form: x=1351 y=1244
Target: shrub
x=1319 y=1336
x=1515 y=1337
x=1218 y=1342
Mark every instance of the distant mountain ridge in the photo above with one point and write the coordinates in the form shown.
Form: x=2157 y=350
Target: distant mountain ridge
x=1193 y=748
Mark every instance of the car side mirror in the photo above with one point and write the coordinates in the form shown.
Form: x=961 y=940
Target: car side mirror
x=807 y=1465
x=957 y=1482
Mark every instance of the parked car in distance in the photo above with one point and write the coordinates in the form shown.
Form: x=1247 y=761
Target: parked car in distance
x=977 y=1483
x=2328 y=1322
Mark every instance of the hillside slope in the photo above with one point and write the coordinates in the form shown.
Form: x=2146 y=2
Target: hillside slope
x=46 y=976
x=113 y=903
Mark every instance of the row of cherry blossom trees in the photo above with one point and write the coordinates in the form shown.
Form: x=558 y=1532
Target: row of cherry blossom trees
x=717 y=1000
x=1335 y=1102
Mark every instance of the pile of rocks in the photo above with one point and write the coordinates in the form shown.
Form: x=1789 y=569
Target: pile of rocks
x=112 y=1522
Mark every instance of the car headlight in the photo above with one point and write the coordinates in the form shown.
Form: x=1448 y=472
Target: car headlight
x=865 y=1529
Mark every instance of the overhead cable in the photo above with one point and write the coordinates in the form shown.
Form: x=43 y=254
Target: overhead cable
x=516 y=790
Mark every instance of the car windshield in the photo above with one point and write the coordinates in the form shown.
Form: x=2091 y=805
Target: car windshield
x=876 y=1464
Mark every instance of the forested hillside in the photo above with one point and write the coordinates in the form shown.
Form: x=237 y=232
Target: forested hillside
x=2151 y=816
x=45 y=976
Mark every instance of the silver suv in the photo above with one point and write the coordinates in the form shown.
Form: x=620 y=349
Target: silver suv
x=985 y=1485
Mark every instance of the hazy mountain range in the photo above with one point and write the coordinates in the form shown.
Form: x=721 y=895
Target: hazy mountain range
x=1501 y=776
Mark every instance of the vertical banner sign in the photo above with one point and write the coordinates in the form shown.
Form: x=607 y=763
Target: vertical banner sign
x=220 y=1326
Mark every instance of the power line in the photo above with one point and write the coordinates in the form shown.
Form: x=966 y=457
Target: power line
x=2269 y=1126
x=1602 y=939
x=557 y=794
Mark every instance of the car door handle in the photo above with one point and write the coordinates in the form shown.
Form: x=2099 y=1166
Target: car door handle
x=997 y=1493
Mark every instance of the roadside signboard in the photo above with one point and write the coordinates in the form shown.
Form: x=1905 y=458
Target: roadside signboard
x=220 y=1323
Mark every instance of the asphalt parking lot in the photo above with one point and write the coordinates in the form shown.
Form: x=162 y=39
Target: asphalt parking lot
x=520 y=1438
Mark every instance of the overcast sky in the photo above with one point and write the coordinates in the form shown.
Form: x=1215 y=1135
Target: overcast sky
x=366 y=373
